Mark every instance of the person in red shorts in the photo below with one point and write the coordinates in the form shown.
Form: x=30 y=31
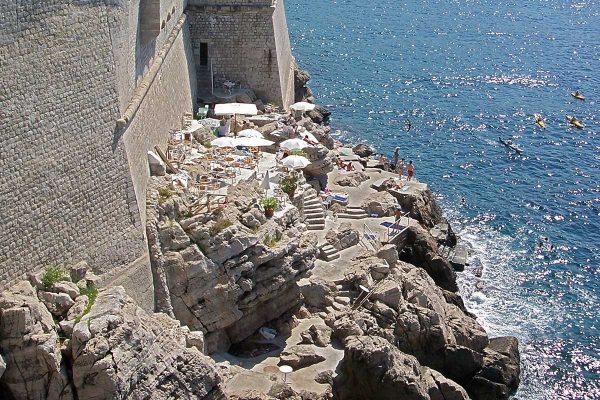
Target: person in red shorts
x=410 y=169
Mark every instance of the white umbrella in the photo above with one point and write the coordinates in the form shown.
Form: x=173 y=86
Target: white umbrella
x=250 y=133
x=295 y=162
x=302 y=106
x=224 y=142
x=293 y=144
x=236 y=108
x=252 y=142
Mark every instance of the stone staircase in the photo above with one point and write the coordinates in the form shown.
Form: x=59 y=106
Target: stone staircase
x=328 y=252
x=314 y=212
x=353 y=213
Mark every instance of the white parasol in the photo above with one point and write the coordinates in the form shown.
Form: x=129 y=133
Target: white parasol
x=293 y=144
x=250 y=133
x=252 y=142
x=224 y=142
x=295 y=162
x=236 y=108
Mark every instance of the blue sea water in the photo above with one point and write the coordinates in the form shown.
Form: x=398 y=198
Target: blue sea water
x=465 y=72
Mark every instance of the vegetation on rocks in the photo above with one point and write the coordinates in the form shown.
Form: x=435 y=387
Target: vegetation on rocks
x=219 y=226
x=54 y=274
x=269 y=203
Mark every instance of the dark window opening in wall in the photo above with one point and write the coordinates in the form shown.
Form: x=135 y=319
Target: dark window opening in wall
x=149 y=19
x=203 y=53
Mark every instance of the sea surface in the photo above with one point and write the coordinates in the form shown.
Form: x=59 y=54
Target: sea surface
x=465 y=73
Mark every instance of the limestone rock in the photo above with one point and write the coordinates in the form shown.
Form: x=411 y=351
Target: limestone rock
x=499 y=376
x=300 y=356
x=317 y=293
x=30 y=345
x=78 y=271
x=77 y=309
x=344 y=237
x=2 y=366
x=421 y=250
x=421 y=205
x=389 y=293
x=325 y=377
x=195 y=339
x=172 y=236
x=68 y=288
x=57 y=303
x=381 y=204
x=389 y=253
x=321 y=161
x=120 y=351
x=319 y=335
x=351 y=179
x=66 y=327
x=372 y=368
x=156 y=164
x=363 y=150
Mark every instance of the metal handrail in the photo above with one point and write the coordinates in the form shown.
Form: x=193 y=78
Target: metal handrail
x=370 y=236
x=396 y=226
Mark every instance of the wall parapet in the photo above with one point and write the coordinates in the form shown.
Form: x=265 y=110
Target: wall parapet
x=146 y=83
x=226 y=3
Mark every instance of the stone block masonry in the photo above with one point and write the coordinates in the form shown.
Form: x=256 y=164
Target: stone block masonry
x=248 y=42
x=70 y=181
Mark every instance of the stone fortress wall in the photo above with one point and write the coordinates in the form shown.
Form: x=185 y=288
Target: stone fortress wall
x=248 y=42
x=72 y=177
x=73 y=185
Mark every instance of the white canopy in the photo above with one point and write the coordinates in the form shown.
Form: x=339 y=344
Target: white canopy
x=295 y=162
x=293 y=144
x=235 y=108
x=302 y=106
x=250 y=133
x=224 y=142
x=252 y=142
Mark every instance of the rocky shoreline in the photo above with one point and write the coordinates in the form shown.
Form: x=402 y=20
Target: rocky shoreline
x=353 y=321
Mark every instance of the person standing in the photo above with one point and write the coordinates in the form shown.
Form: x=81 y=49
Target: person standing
x=400 y=168
x=395 y=158
x=410 y=169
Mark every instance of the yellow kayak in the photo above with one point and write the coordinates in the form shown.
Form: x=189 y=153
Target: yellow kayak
x=577 y=95
x=540 y=121
x=575 y=122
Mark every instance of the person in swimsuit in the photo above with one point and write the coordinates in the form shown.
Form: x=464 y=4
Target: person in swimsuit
x=400 y=168
x=395 y=158
x=410 y=169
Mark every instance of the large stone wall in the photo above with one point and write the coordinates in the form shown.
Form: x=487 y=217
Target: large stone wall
x=71 y=181
x=248 y=42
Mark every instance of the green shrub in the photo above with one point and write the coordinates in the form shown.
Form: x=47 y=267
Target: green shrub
x=269 y=203
x=219 y=225
x=53 y=274
x=288 y=183
x=91 y=291
x=164 y=194
x=270 y=241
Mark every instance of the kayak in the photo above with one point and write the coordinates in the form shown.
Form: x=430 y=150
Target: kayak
x=575 y=122
x=539 y=120
x=577 y=95
x=510 y=145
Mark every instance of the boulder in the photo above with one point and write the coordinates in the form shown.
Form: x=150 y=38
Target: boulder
x=319 y=335
x=117 y=348
x=420 y=249
x=325 y=377
x=374 y=369
x=317 y=293
x=363 y=150
x=381 y=204
x=422 y=206
x=78 y=271
x=172 y=236
x=389 y=293
x=499 y=376
x=389 y=253
x=156 y=164
x=321 y=161
x=300 y=356
x=78 y=307
x=33 y=364
x=351 y=179
x=68 y=288
x=195 y=339
x=343 y=237
x=57 y=303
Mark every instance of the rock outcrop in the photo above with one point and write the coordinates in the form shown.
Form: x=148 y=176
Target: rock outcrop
x=29 y=342
x=230 y=272
x=374 y=369
x=121 y=352
x=381 y=204
x=422 y=206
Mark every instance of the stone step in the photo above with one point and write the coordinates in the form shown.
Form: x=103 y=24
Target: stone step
x=327 y=246
x=314 y=209
x=352 y=216
x=314 y=212
x=355 y=210
x=338 y=307
x=345 y=293
x=330 y=252
x=313 y=201
x=331 y=257
x=315 y=221
x=309 y=197
x=316 y=227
